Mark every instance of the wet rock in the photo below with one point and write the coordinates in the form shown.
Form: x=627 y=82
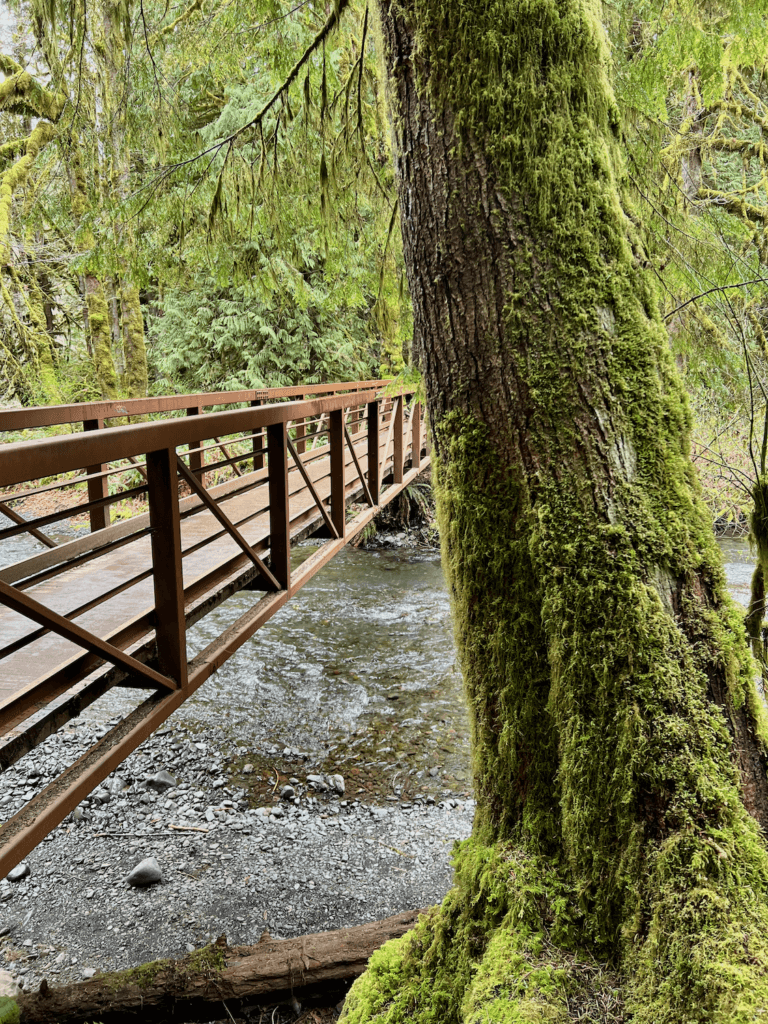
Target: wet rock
x=146 y=872
x=20 y=871
x=117 y=785
x=162 y=781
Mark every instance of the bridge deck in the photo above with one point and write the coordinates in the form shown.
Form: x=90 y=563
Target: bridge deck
x=132 y=588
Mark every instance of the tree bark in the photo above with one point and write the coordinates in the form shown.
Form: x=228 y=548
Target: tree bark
x=194 y=988
x=619 y=741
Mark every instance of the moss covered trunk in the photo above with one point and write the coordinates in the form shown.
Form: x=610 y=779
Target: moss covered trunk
x=134 y=346
x=100 y=333
x=619 y=742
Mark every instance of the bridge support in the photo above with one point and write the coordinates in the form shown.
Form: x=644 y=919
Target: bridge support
x=99 y=487
x=279 y=504
x=165 y=524
x=338 y=472
x=373 y=451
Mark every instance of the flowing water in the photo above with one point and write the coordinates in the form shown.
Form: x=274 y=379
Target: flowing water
x=358 y=671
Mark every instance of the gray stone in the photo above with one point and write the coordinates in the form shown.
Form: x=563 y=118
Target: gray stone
x=88 y=972
x=337 y=782
x=287 y=792
x=101 y=796
x=146 y=872
x=162 y=781
x=20 y=871
x=317 y=782
x=248 y=769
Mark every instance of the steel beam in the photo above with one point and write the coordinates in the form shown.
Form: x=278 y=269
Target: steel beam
x=338 y=473
x=279 y=503
x=168 y=577
x=98 y=487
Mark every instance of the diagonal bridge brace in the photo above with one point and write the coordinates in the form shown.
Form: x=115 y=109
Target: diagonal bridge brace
x=213 y=506
x=31 y=609
x=316 y=497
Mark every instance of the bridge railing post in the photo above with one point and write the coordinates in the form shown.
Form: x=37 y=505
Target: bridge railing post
x=99 y=487
x=258 y=441
x=398 y=456
x=338 y=471
x=168 y=578
x=301 y=435
x=197 y=459
x=373 y=450
x=416 y=436
x=279 y=504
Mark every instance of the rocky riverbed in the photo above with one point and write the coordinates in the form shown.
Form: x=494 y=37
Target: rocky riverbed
x=319 y=780
x=310 y=860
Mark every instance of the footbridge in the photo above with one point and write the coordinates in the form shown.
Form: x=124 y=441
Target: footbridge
x=208 y=494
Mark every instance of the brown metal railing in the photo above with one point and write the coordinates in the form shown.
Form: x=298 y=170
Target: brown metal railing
x=96 y=416
x=356 y=446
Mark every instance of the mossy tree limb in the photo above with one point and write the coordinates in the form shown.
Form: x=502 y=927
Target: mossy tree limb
x=619 y=741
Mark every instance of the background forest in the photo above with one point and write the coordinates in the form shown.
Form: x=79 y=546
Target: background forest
x=199 y=196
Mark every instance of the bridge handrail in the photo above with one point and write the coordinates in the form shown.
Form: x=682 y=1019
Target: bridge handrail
x=21 y=461
x=97 y=412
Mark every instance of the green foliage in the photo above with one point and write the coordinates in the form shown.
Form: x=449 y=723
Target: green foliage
x=9 y=1011
x=229 y=338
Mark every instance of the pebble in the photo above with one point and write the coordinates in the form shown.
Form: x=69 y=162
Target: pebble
x=146 y=872
x=20 y=871
x=162 y=781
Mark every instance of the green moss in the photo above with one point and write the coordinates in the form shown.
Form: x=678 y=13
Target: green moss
x=9 y=1011
x=100 y=334
x=604 y=663
x=208 y=961
x=135 y=377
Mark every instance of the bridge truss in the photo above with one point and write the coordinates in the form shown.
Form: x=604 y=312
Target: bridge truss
x=112 y=607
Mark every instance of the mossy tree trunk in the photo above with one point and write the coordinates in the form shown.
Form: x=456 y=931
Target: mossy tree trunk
x=99 y=328
x=135 y=377
x=619 y=742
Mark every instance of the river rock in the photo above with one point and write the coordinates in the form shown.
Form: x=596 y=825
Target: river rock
x=20 y=871
x=337 y=783
x=117 y=785
x=162 y=781
x=146 y=872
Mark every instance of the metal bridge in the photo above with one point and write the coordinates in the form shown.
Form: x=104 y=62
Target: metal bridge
x=218 y=498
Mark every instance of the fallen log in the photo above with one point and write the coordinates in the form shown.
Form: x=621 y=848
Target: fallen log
x=195 y=987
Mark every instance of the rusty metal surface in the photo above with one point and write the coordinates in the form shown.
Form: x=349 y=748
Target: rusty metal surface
x=131 y=621
x=53 y=415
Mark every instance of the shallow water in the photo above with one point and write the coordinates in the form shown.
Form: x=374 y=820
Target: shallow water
x=358 y=670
